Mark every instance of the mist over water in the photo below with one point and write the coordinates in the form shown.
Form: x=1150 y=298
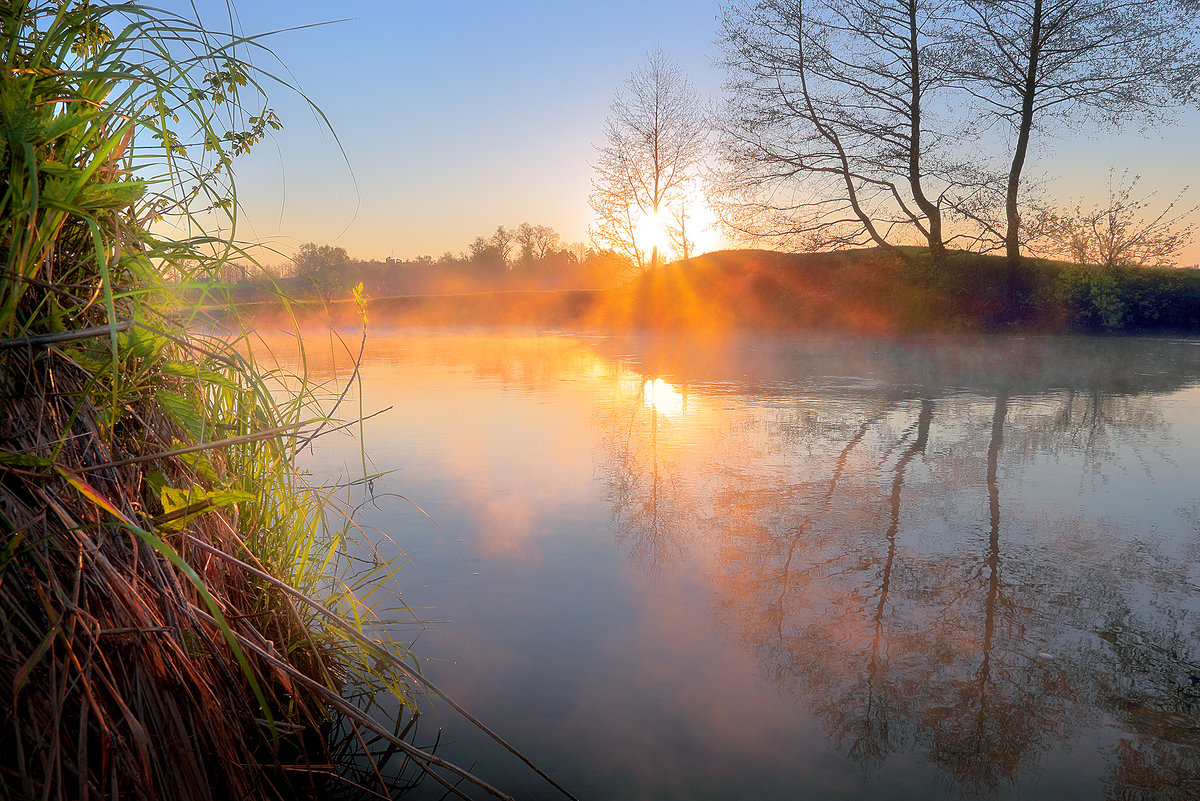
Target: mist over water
x=819 y=567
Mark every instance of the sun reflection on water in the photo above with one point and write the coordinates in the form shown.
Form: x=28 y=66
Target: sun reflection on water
x=663 y=398
x=887 y=542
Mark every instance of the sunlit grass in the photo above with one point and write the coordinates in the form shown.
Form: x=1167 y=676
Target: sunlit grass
x=183 y=610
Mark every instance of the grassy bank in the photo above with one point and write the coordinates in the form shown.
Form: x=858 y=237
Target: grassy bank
x=177 y=619
x=863 y=290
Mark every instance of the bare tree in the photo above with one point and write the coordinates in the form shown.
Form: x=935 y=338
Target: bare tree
x=1123 y=234
x=502 y=242
x=678 y=227
x=536 y=242
x=656 y=136
x=830 y=138
x=579 y=251
x=1032 y=61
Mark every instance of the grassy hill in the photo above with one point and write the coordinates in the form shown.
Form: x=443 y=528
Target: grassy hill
x=862 y=290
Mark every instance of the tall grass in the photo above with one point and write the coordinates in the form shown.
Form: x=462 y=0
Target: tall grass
x=171 y=625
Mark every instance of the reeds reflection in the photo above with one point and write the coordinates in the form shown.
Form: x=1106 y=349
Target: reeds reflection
x=918 y=568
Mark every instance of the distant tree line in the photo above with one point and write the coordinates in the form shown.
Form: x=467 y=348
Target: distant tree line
x=525 y=257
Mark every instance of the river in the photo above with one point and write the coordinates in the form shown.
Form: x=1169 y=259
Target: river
x=815 y=567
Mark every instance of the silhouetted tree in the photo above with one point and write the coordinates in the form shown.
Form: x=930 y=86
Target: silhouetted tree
x=536 y=242
x=828 y=137
x=1028 y=62
x=656 y=138
x=323 y=269
x=479 y=249
x=502 y=242
x=1121 y=234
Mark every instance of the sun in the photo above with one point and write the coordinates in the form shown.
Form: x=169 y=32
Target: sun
x=651 y=232
x=689 y=210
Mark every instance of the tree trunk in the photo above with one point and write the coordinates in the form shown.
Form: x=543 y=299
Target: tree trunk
x=933 y=214
x=846 y=173
x=1012 y=236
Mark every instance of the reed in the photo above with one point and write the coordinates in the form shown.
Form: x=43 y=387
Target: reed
x=173 y=620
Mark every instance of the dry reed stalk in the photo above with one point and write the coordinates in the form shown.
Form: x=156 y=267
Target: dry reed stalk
x=114 y=678
x=166 y=579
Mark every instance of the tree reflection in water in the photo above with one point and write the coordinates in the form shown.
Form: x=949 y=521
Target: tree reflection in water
x=652 y=505
x=891 y=575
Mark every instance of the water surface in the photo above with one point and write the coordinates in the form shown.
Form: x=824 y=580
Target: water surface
x=811 y=567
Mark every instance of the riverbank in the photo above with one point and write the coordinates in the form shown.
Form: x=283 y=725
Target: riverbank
x=183 y=618
x=861 y=290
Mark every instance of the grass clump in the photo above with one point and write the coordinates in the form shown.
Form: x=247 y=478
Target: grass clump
x=170 y=623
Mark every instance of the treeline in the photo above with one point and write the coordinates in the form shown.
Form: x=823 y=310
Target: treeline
x=522 y=258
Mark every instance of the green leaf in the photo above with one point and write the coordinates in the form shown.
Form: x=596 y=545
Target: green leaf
x=155 y=481
x=111 y=196
x=184 y=370
x=183 y=411
x=199 y=462
x=24 y=460
x=63 y=123
x=175 y=499
x=95 y=362
x=142 y=343
x=60 y=170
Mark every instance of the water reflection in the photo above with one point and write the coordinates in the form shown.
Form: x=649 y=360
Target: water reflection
x=645 y=475
x=896 y=578
x=834 y=567
x=663 y=398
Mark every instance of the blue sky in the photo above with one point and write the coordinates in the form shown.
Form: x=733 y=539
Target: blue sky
x=459 y=116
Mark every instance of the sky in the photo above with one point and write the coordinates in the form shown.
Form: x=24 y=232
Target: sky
x=452 y=117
